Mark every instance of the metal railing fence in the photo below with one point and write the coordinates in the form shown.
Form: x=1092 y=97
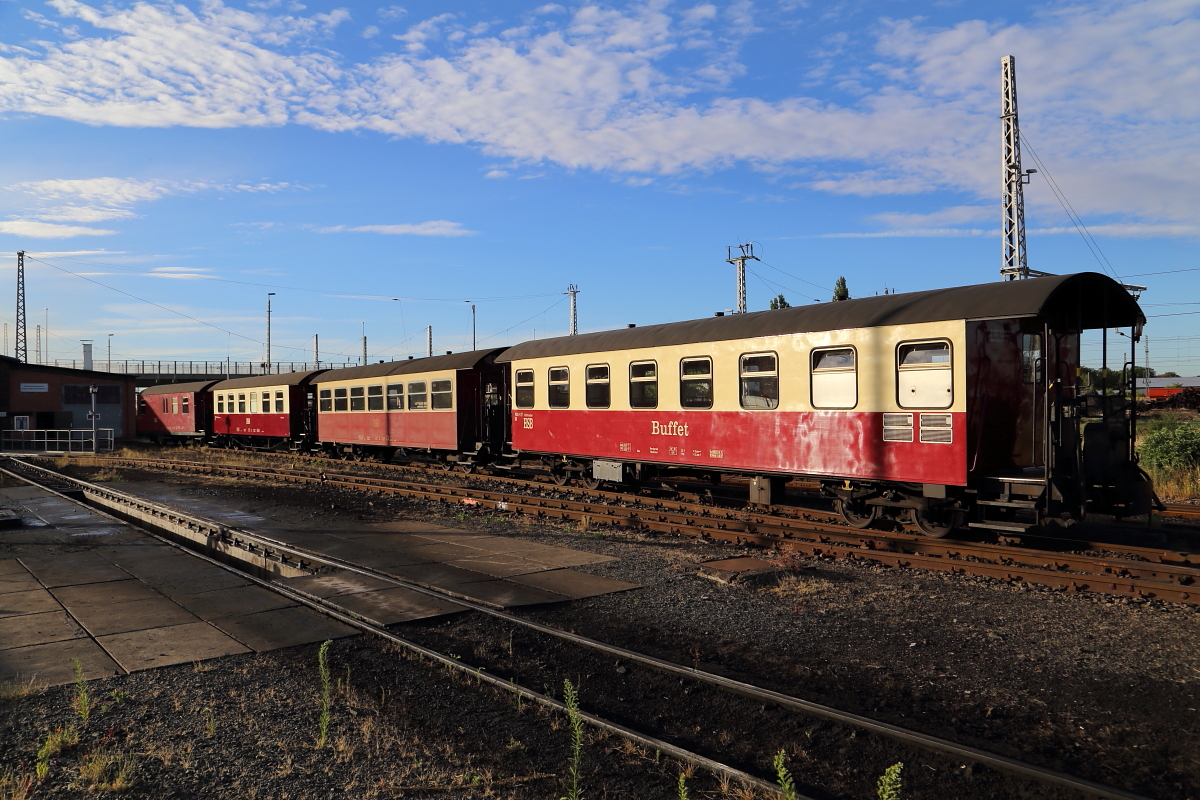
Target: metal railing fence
x=39 y=440
x=201 y=369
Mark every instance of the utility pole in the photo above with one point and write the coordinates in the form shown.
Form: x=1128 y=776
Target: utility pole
x=364 y=329
x=316 y=352
x=108 y=367
x=1014 y=263
x=472 y=326
x=747 y=254
x=573 y=290
x=37 y=352
x=46 y=335
x=22 y=347
x=269 y=296
x=428 y=341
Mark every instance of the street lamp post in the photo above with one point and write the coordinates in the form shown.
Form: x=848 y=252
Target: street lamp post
x=93 y=415
x=110 y=352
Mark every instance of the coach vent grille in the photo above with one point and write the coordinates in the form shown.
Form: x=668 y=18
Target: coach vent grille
x=897 y=427
x=935 y=429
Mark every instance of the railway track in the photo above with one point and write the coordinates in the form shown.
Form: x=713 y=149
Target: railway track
x=1132 y=571
x=263 y=547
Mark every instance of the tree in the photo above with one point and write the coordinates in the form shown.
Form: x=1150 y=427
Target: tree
x=779 y=302
x=1169 y=375
x=840 y=292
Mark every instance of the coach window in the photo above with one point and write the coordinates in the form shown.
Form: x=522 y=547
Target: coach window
x=266 y=403
x=358 y=398
x=441 y=394
x=326 y=400
x=184 y=404
x=279 y=401
x=241 y=403
x=166 y=405
x=417 y=398
x=1031 y=357
x=559 y=387
x=643 y=384
x=598 y=392
x=374 y=398
x=924 y=376
x=174 y=405
x=253 y=402
x=695 y=383
x=340 y=403
x=834 y=378
x=524 y=397
x=759 y=380
x=395 y=397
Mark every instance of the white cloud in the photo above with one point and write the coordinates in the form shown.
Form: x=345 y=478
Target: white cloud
x=437 y=227
x=44 y=230
x=496 y=173
x=370 y=32
x=643 y=89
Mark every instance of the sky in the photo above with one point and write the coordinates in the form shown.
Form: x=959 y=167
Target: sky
x=382 y=168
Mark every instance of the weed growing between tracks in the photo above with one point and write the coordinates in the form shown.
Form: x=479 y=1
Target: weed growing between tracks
x=888 y=787
x=323 y=668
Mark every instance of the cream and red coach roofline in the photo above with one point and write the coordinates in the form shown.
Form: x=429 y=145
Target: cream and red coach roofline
x=1083 y=301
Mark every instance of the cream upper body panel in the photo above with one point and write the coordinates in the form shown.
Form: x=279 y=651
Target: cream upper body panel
x=414 y=391
x=875 y=379
x=255 y=400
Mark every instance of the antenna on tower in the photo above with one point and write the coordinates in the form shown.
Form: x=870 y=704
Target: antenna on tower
x=573 y=290
x=746 y=254
x=22 y=347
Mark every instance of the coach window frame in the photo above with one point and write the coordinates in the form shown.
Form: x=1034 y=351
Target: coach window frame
x=241 y=403
x=341 y=398
x=325 y=400
x=696 y=378
x=814 y=372
x=520 y=398
x=558 y=387
x=930 y=367
x=375 y=397
x=642 y=380
x=395 y=397
x=183 y=405
x=266 y=402
x=280 y=397
x=744 y=377
x=358 y=398
x=174 y=404
x=441 y=394
x=415 y=404
x=603 y=386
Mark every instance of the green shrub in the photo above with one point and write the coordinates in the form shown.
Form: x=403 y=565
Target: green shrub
x=1171 y=446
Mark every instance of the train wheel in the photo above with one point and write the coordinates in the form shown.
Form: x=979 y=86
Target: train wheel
x=936 y=522
x=465 y=467
x=560 y=478
x=592 y=483
x=856 y=513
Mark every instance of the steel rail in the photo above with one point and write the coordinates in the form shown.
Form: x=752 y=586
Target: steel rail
x=480 y=674
x=1163 y=578
x=908 y=736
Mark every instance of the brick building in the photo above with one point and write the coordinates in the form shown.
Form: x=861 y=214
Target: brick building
x=35 y=396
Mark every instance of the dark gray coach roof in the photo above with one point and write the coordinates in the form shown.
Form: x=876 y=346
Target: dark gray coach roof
x=178 y=388
x=469 y=360
x=282 y=379
x=1086 y=300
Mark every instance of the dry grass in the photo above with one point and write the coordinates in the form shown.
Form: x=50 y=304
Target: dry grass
x=20 y=689
x=1175 y=485
x=107 y=474
x=111 y=771
x=15 y=785
x=792 y=586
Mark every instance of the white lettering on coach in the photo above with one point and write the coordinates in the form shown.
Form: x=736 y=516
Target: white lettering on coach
x=671 y=428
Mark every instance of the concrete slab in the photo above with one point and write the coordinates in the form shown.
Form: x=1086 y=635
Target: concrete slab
x=96 y=594
x=178 y=577
x=177 y=644
x=10 y=566
x=36 y=601
x=507 y=594
x=233 y=602
x=17 y=582
x=284 y=627
x=71 y=569
x=134 y=615
x=440 y=575
x=336 y=583
x=129 y=553
x=389 y=606
x=51 y=663
x=573 y=584
x=445 y=552
x=500 y=565
x=373 y=557
x=561 y=556
x=51 y=626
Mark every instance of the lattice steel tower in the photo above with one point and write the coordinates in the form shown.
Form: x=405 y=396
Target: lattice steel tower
x=746 y=254
x=1014 y=263
x=573 y=290
x=22 y=348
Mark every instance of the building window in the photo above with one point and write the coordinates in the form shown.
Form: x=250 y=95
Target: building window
x=395 y=397
x=254 y=402
x=241 y=403
x=358 y=398
x=184 y=404
x=340 y=403
x=417 y=399
x=834 y=378
x=442 y=394
x=924 y=377
x=598 y=391
x=643 y=384
x=1031 y=357
x=374 y=398
x=759 y=380
x=524 y=397
x=326 y=400
x=696 y=383
x=558 y=390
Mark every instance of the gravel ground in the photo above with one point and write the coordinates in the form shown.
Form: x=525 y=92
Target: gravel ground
x=1099 y=687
